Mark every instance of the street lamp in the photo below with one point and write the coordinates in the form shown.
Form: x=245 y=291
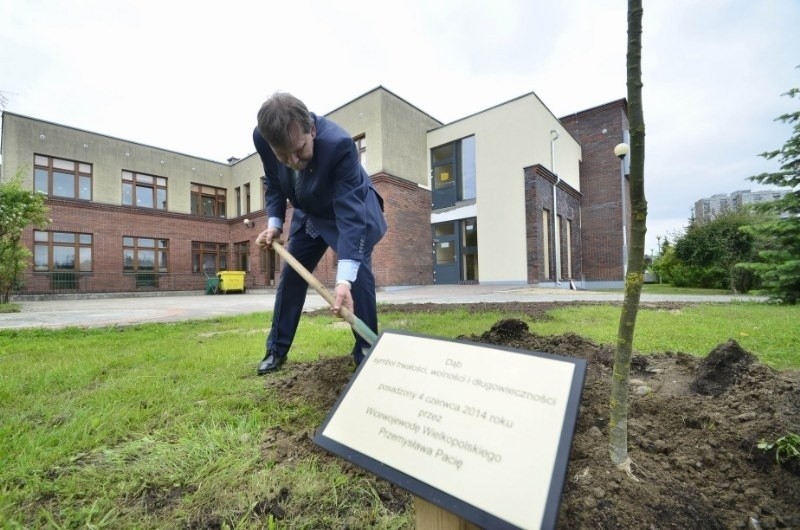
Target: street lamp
x=658 y=238
x=622 y=150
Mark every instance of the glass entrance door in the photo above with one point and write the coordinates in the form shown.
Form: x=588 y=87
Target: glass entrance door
x=455 y=251
x=445 y=253
x=469 y=250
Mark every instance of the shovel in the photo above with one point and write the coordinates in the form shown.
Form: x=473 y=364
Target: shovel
x=356 y=323
x=428 y=515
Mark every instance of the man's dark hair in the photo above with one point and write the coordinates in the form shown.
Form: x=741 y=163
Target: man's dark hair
x=277 y=113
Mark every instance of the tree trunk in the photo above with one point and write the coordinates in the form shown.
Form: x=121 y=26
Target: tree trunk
x=618 y=435
x=732 y=279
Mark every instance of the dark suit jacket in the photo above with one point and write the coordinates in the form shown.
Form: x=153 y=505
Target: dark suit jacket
x=336 y=193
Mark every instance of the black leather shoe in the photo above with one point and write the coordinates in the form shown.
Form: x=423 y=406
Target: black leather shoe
x=271 y=363
x=359 y=354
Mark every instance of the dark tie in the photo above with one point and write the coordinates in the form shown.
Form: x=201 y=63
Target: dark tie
x=297 y=179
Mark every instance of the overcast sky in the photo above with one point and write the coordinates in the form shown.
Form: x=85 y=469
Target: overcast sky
x=190 y=76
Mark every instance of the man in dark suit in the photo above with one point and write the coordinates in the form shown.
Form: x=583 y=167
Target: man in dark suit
x=313 y=163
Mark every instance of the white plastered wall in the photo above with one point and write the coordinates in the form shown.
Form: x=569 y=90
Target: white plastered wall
x=395 y=133
x=508 y=138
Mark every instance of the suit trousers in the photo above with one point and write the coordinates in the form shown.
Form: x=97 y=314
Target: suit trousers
x=291 y=295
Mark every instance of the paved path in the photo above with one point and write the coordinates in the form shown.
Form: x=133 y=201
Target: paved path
x=108 y=311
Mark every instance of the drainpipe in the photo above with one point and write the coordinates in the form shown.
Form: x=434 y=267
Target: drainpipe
x=556 y=233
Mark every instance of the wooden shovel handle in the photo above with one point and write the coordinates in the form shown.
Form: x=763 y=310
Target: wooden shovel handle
x=356 y=323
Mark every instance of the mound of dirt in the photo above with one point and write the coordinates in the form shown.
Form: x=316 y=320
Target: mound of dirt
x=722 y=368
x=692 y=433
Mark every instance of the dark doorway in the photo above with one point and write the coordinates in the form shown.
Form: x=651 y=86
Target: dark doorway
x=455 y=251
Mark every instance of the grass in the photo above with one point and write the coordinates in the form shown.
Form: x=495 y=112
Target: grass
x=665 y=288
x=162 y=425
x=770 y=332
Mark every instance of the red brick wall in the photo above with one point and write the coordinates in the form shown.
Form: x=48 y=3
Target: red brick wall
x=538 y=197
x=108 y=224
x=403 y=256
x=598 y=131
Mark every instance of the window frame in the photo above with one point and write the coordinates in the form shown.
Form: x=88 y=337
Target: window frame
x=241 y=255
x=217 y=195
x=81 y=170
x=139 y=181
x=361 y=149
x=546 y=242
x=204 y=250
x=159 y=248
x=237 y=191
x=461 y=175
x=48 y=239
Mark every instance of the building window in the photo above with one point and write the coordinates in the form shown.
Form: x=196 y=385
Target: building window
x=561 y=257
x=467 y=169
x=209 y=257
x=56 y=177
x=568 y=245
x=268 y=261
x=208 y=201
x=469 y=249
x=241 y=255
x=443 y=162
x=361 y=147
x=455 y=248
x=445 y=246
x=143 y=254
x=238 y=192
x=546 y=243
x=62 y=251
x=247 y=198
x=453 y=172
x=144 y=191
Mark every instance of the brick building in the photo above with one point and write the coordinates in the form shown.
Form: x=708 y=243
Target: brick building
x=603 y=185
x=510 y=194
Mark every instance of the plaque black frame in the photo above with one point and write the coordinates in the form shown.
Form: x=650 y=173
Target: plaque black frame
x=443 y=499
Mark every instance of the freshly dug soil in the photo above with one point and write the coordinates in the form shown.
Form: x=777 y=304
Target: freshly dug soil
x=693 y=426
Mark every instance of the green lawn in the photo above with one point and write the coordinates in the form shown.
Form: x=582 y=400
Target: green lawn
x=162 y=425
x=665 y=288
x=9 y=308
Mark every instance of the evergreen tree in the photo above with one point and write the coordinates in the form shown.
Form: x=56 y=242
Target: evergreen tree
x=779 y=236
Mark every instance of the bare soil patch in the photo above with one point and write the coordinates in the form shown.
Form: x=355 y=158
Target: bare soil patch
x=693 y=428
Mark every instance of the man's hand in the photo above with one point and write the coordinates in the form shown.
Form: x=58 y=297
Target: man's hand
x=342 y=298
x=265 y=238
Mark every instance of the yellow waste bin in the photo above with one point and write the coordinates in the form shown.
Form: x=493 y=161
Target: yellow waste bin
x=231 y=281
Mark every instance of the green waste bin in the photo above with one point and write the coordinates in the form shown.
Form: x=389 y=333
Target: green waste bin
x=212 y=285
x=231 y=281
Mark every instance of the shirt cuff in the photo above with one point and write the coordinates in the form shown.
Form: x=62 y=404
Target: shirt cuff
x=347 y=270
x=275 y=222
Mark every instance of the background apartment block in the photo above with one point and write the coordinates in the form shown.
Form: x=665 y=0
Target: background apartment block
x=709 y=208
x=510 y=194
